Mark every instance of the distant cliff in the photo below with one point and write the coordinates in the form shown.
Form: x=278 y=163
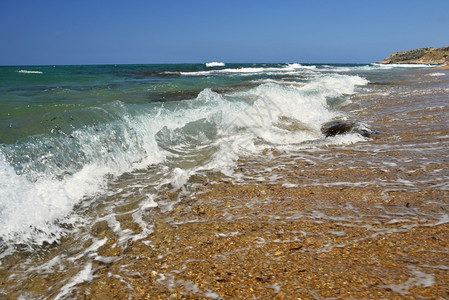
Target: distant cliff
x=420 y=56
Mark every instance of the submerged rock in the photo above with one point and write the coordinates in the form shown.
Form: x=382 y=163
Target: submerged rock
x=340 y=127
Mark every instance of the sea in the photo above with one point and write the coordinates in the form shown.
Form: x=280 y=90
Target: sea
x=104 y=144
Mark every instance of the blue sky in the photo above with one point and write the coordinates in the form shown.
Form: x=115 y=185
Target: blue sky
x=36 y=32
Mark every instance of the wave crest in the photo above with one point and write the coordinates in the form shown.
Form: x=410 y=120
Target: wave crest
x=214 y=64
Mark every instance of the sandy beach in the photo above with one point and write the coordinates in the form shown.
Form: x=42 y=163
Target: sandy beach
x=266 y=241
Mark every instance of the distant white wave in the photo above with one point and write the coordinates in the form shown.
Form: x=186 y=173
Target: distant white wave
x=288 y=69
x=29 y=72
x=299 y=66
x=215 y=64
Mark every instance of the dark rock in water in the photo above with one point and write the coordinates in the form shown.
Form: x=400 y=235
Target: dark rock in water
x=340 y=127
x=337 y=128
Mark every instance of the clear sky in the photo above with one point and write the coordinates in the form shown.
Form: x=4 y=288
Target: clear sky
x=35 y=32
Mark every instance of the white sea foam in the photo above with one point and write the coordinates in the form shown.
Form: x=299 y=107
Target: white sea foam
x=419 y=279
x=29 y=210
x=214 y=64
x=84 y=275
x=436 y=74
x=443 y=220
x=29 y=72
x=149 y=203
x=272 y=111
x=180 y=178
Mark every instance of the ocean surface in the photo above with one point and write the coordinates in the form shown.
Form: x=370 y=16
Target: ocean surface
x=106 y=144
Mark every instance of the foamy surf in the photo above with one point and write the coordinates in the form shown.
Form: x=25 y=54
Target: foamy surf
x=210 y=132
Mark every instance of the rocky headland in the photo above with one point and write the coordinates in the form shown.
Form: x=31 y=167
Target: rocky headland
x=439 y=56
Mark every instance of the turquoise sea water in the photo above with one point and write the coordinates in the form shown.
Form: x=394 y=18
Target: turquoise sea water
x=33 y=96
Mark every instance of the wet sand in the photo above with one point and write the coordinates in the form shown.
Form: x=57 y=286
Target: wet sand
x=267 y=241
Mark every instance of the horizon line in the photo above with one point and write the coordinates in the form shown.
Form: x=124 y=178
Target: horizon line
x=179 y=63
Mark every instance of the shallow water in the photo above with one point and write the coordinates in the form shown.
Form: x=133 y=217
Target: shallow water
x=113 y=153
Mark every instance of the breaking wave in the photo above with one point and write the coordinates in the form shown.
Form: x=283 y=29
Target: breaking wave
x=43 y=178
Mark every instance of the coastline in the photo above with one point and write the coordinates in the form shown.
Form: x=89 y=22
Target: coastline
x=339 y=216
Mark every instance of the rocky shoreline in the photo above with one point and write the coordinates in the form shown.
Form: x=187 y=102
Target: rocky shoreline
x=432 y=56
